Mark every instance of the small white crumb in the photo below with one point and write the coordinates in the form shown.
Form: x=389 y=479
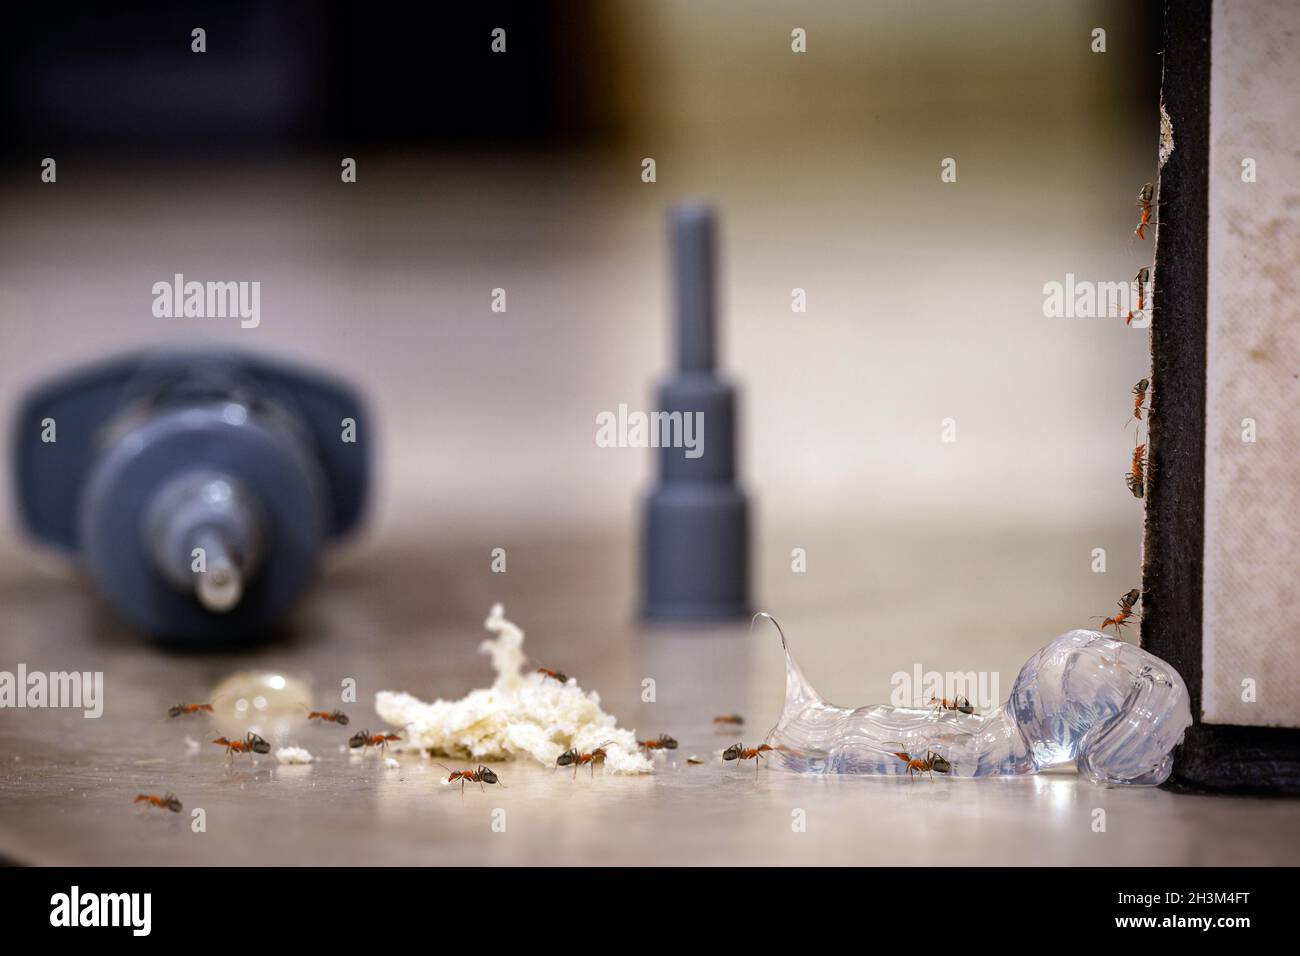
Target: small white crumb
x=391 y=764
x=191 y=745
x=293 y=755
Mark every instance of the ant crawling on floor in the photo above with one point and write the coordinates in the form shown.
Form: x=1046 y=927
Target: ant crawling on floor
x=181 y=709
x=364 y=738
x=480 y=776
x=959 y=704
x=333 y=716
x=931 y=764
x=165 y=802
x=664 y=742
x=738 y=751
x=575 y=759
x=250 y=744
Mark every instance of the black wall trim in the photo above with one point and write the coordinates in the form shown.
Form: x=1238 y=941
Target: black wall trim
x=1213 y=757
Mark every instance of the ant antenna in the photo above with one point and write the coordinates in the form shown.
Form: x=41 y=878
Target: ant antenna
x=754 y=621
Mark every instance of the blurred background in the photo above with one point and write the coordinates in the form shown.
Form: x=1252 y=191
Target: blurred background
x=522 y=171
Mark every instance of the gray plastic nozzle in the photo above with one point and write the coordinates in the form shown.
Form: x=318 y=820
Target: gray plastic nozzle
x=695 y=536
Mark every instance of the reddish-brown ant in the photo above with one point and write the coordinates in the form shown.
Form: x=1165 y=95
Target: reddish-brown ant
x=959 y=704
x=166 y=802
x=480 y=776
x=694 y=761
x=733 y=719
x=664 y=742
x=250 y=744
x=739 y=751
x=333 y=716
x=364 y=738
x=932 y=763
x=560 y=676
x=1139 y=398
x=1136 y=477
x=1145 y=195
x=180 y=709
x=1142 y=278
x=1125 y=611
x=575 y=759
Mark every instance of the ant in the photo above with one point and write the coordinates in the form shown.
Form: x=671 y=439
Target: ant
x=1137 y=475
x=733 y=719
x=1125 y=611
x=1139 y=398
x=960 y=704
x=333 y=716
x=480 y=776
x=572 y=758
x=663 y=743
x=364 y=738
x=250 y=744
x=1142 y=278
x=694 y=761
x=554 y=675
x=738 y=751
x=180 y=709
x=930 y=764
x=167 y=802
x=1144 y=202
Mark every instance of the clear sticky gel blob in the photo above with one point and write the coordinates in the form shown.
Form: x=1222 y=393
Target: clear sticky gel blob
x=1114 y=709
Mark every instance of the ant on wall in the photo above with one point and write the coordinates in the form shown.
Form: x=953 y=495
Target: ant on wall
x=1135 y=479
x=732 y=719
x=1144 y=203
x=1142 y=278
x=1125 y=611
x=663 y=743
x=333 y=716
x=931 y=764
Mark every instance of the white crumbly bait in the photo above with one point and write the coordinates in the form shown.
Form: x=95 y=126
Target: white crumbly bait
x=521 y=714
